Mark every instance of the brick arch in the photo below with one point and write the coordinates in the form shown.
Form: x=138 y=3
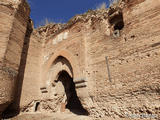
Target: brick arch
x=60 y=64
x=68 y=56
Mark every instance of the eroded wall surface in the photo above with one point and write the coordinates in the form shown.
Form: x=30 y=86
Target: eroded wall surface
x=133 y=60
x=13 y=28
x=70 y=45
x=132 y=57
x=112 y=55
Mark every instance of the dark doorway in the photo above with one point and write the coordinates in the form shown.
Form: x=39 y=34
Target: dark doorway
x=72 y=102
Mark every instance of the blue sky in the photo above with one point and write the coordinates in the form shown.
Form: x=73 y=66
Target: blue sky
x=60 y=10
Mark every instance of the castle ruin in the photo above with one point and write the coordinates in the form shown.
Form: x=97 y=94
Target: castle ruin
x=102 y=64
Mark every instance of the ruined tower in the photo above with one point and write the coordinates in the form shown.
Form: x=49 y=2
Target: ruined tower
x=106 y=61
x=14 y=16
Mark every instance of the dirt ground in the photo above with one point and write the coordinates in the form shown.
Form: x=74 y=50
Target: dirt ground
x=57 y=116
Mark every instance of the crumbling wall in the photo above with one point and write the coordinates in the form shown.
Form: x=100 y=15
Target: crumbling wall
x=68 y=45
x=14 y=20
x=32 y=74
x=131 y=86
x=117 y=51
x=114 y=56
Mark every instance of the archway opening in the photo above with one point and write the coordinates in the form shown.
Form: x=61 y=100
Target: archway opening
x=71 y=99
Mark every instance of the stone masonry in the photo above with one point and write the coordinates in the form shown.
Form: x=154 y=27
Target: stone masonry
x=104 y=64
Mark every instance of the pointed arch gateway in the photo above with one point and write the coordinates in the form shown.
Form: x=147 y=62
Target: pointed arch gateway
x=61 y=74
x=69 y=57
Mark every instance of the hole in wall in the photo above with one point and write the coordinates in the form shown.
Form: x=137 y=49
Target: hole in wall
x=116 y=21
x=37 y=107
x=119 y=25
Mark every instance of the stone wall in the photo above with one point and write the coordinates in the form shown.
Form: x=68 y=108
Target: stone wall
x=32 y=73
x=14 y=20
x=112 y=56
x=133 y=58
x=129 y=38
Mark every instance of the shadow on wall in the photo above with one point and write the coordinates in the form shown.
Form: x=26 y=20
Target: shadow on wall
x=14 y=108
x=72 y=101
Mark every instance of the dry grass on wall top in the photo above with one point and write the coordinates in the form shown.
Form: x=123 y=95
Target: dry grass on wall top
x=113 y=2
x=101 y=6
x=46 y=22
